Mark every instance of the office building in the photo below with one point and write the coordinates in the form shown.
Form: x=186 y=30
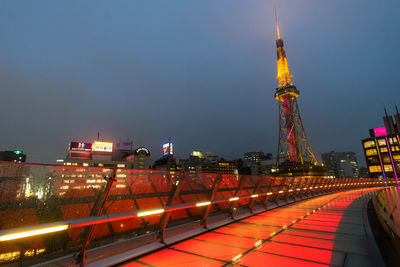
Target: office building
x=381 y=148
x=98 y=154
x=256 y=163
x=341 y=164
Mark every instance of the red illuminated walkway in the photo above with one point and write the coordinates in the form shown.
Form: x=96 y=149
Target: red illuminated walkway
x=326 y=230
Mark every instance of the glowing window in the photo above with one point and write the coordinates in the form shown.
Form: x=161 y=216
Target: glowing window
x=396 y=157
x=382 y=142
x=388 y=168
x=375 y=168
x=368 y=144
x=384 y=149
x=371 y=152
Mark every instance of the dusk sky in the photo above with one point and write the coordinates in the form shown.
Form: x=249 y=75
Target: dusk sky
x=200 y=72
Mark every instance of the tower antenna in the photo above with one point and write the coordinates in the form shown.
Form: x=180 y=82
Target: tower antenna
x=277 y=25
x=385 y=111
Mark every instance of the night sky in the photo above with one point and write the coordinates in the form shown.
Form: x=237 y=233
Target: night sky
x=200 y=72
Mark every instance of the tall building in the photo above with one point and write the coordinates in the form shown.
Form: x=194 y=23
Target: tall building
x=13 y=156
x=257 y=163
x=294 y=157
x=139 y=158
x=193 y=163
x=341 y=164
x=381 y=148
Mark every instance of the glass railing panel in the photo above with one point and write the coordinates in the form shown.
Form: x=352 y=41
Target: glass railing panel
x=33 y=194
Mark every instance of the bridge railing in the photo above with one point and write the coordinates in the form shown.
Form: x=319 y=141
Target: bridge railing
x=47 y=211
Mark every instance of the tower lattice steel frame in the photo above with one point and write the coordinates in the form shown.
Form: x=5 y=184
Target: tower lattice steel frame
x=294 y=150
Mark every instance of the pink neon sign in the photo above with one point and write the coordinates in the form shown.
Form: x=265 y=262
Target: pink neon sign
x=380 y=131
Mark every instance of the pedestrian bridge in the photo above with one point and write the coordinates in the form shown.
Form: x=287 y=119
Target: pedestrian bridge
x=64 y=216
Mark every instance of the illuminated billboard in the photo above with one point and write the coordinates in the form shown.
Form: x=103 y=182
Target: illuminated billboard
x=102 y=146
x=380 y=131
x=168 y=149
x=80 y=146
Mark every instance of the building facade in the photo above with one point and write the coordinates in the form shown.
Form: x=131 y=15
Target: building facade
x=104 y=154
x=341 y=164
x=381 y=149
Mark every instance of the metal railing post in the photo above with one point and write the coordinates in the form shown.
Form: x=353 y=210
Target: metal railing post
x=233 y=204
x=277 y=194
x=271 y=183
x=213 y=192
x=80 y=258
x=172 y=197
x=255 y=191
x=289 y=184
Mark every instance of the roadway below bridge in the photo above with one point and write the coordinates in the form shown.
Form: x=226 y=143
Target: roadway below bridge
x=326 y=230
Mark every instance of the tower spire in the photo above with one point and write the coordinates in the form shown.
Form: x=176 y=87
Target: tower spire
x=277 y=25
x=283 y=73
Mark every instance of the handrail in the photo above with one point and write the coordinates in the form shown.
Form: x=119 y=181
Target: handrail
x=27 y=231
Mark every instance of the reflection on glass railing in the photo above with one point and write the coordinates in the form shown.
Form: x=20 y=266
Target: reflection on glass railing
x=35 y=194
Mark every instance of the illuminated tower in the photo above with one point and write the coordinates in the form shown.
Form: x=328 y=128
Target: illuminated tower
x=295 y=157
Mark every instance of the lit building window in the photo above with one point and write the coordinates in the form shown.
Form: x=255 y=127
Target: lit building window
x=371 y=152
x=375 y=168
x=382 y=142
x=369 y=144
x=388 y=168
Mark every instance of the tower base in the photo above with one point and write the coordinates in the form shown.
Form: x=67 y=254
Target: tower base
x=294 y=169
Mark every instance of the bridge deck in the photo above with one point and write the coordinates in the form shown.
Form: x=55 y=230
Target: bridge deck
x=326 y=230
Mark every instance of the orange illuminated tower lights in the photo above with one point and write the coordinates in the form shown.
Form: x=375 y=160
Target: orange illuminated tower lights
x=295 y=157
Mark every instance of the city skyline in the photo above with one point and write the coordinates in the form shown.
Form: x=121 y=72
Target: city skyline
x=200 y=73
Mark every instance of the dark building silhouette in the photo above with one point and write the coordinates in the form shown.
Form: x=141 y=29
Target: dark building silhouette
x=13 y=156
x=341 y=164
